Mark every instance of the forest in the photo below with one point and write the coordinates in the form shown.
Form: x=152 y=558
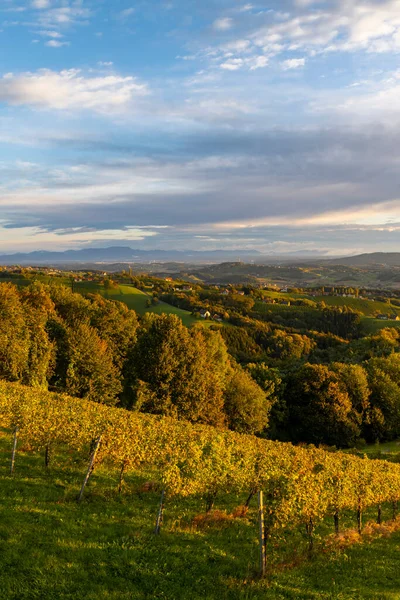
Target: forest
x=328 y=385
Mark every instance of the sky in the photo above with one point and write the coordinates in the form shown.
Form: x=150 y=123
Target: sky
x=199 y=125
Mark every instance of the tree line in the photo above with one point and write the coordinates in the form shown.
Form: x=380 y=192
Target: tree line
x=251 y=376
x=97 y=349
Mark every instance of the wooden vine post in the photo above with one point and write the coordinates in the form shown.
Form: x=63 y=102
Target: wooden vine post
x=14 y=450
x=90 y=468
x=359 y=520
x=121 y=477
x=261 y=535
x=336 y=520
x=47 y=456
x=160 y=514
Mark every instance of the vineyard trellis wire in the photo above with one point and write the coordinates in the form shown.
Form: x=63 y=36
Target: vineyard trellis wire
x=301 y=486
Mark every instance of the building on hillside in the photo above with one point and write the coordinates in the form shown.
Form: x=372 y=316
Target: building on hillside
x=217 y=318
x=383 y=317
x=205 y=314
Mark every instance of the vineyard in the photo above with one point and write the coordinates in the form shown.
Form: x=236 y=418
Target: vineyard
x=301 y=486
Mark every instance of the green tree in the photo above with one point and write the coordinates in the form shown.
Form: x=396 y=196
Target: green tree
x=174 y=374
x=320 y=410
x=383 y=421
x=72 y=308
x=247 y=406
x=14 y=334
x=91 y=372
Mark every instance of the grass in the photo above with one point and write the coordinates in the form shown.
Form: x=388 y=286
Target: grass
x=51 y=548
x=371 y=326
x=367 y=307
x=392 y=447
x=135 y=299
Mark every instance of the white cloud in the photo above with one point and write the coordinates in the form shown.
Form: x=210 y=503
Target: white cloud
x=40 y=4
x=56 y=44
x=51 y=34
x=293 y=63
x=251 y=62
x=70 y=90
x=125 y=14
x=63 y=16
x=223 y=24
x=313 y=28
x=232 y=64
x=258 y=62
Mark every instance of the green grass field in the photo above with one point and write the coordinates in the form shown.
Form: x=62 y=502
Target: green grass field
x=366 y=307
x=51 y=548
x=135 y=299
x=371 y=326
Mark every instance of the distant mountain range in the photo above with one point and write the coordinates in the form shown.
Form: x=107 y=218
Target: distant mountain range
x=127 y=255
x=374 y=259
x=122 y=254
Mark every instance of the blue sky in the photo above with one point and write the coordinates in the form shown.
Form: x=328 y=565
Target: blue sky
x=200 y=125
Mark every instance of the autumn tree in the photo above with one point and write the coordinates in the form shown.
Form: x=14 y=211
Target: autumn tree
x=91 y=373
x=247 y=406
x=174 y=373
x=14 y=334
x=320 y=409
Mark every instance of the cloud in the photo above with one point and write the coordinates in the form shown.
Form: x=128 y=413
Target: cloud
x=233 y=64
x=56 y=44
x=293 y=63
x=51 y=34
x=125 y=14
x=246 y=7
x=223 y=24
x=63 y=16
x=313 y=28
x=70 y=90
x=251 y=62
x=40 y=4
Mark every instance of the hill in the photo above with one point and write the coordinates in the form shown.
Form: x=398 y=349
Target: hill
x=135 y=300
x=374 y=259
x=123 y=254
x=52 y=548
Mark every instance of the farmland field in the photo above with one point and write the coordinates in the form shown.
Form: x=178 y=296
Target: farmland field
x=51 y=548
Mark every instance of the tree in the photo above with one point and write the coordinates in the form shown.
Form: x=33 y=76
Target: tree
x=72 y=308
x=383 y=420
x=246 y=405
x=14 y=334
x=355 y=381
x=174 y=373
x=270 y=380
x=320 y=409
x=115 y=324
x=91 y=373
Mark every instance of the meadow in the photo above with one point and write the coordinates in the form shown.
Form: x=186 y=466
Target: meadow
x=365 y=306
x=135 y=299
x=51 y=547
